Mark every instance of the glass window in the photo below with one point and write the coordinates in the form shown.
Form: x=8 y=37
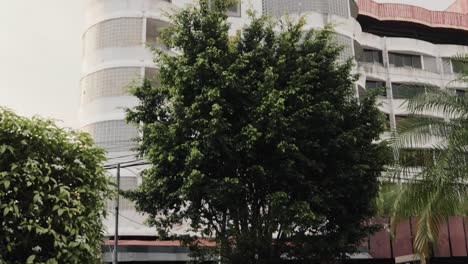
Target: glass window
x=459 y=92
x=405 y=91
x=417 y=157
x=235 y=9
x=399 y=119
x=376 y=84
x=404 y=60
x=459 y=66
x=372 y=56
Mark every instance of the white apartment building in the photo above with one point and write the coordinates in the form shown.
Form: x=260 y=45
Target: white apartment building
x=393 y=45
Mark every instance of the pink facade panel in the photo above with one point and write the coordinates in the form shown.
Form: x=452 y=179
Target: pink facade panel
x=380 y=246
x=442 y=248
x=403 y=245
x=459 y=6
x=457 y=236
x=415 y=14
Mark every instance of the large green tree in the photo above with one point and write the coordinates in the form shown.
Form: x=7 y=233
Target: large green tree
x=431 y=160
x=257 y=141
x=52 y=191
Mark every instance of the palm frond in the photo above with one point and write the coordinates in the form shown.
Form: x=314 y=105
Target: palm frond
x=431 y=161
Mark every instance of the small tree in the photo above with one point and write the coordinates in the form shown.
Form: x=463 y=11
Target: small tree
x=52 y=191
x=257 y=141
x=438 y=146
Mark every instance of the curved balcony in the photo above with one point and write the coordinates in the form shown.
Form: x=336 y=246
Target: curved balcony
x=415 y=14
x=101 y=10
x=286 y=7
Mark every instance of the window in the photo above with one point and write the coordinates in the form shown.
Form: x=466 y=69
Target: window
x=404 y=60
x=154 y=28
x=460 y=93
x=417 y=157
x=459 y=66
x=375 y=85
x=446 y=65
x=430 y=63
x=235 y=9
x=404 y=91
x=152 y=74
x=372 y=56
x=399 y=119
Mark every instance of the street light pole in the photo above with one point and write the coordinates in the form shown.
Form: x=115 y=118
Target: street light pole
x=115 y=258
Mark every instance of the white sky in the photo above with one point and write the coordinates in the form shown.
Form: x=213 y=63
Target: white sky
x=40 y=55
x=429 y=4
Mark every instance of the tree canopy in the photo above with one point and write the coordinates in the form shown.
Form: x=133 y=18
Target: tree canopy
x=257 y=140
x=52 y=191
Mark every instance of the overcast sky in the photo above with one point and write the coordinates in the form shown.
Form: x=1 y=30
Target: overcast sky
x=40 y=55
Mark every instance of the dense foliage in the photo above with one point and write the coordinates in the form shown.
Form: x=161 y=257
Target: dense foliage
x=431 y=160
x=257 y=141
x=52 y=190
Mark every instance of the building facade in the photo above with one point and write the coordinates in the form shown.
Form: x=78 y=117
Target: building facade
x=394 y=45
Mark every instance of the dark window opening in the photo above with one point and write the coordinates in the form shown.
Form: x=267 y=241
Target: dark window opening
x=460 y=93
x=152 y=75
x=405 y=91
x=372 y=56
x=399 y=119
x=459 y=66
x=154 y=28
x=377 y=85
x=235 y=9
x=417 y=157
x=404 y=60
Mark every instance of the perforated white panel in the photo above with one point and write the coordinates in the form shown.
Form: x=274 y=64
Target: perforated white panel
x=283 y=7
x=108 y=82
x=120 y=32
x=339 y=7
x=347 y=44
x=126 y=184
x=113 y=135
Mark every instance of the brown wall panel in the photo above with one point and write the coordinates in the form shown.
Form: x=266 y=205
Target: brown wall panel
x=442 y=248
x=380 y=241
x=403 y=245
x=457 y=236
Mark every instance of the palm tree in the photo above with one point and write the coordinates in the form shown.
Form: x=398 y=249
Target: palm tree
x=435 y=139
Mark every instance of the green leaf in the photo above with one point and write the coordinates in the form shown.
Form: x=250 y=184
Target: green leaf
x=6 y=210
x=2 y=149
x=6 y=183
x=30 y=259
x=60 y=212
x=36 y=197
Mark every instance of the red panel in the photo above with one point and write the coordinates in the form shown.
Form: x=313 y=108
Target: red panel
x=380 y=241
x=442 y=249
x=459 y=6
x=403 y=245
x=457 y=236
x=408 y=13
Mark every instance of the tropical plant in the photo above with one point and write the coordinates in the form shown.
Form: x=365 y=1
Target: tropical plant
x=52 y=193
x=257 y=141
x=431 y=148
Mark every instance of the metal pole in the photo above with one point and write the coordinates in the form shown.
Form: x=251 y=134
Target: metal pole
x=116 y=232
